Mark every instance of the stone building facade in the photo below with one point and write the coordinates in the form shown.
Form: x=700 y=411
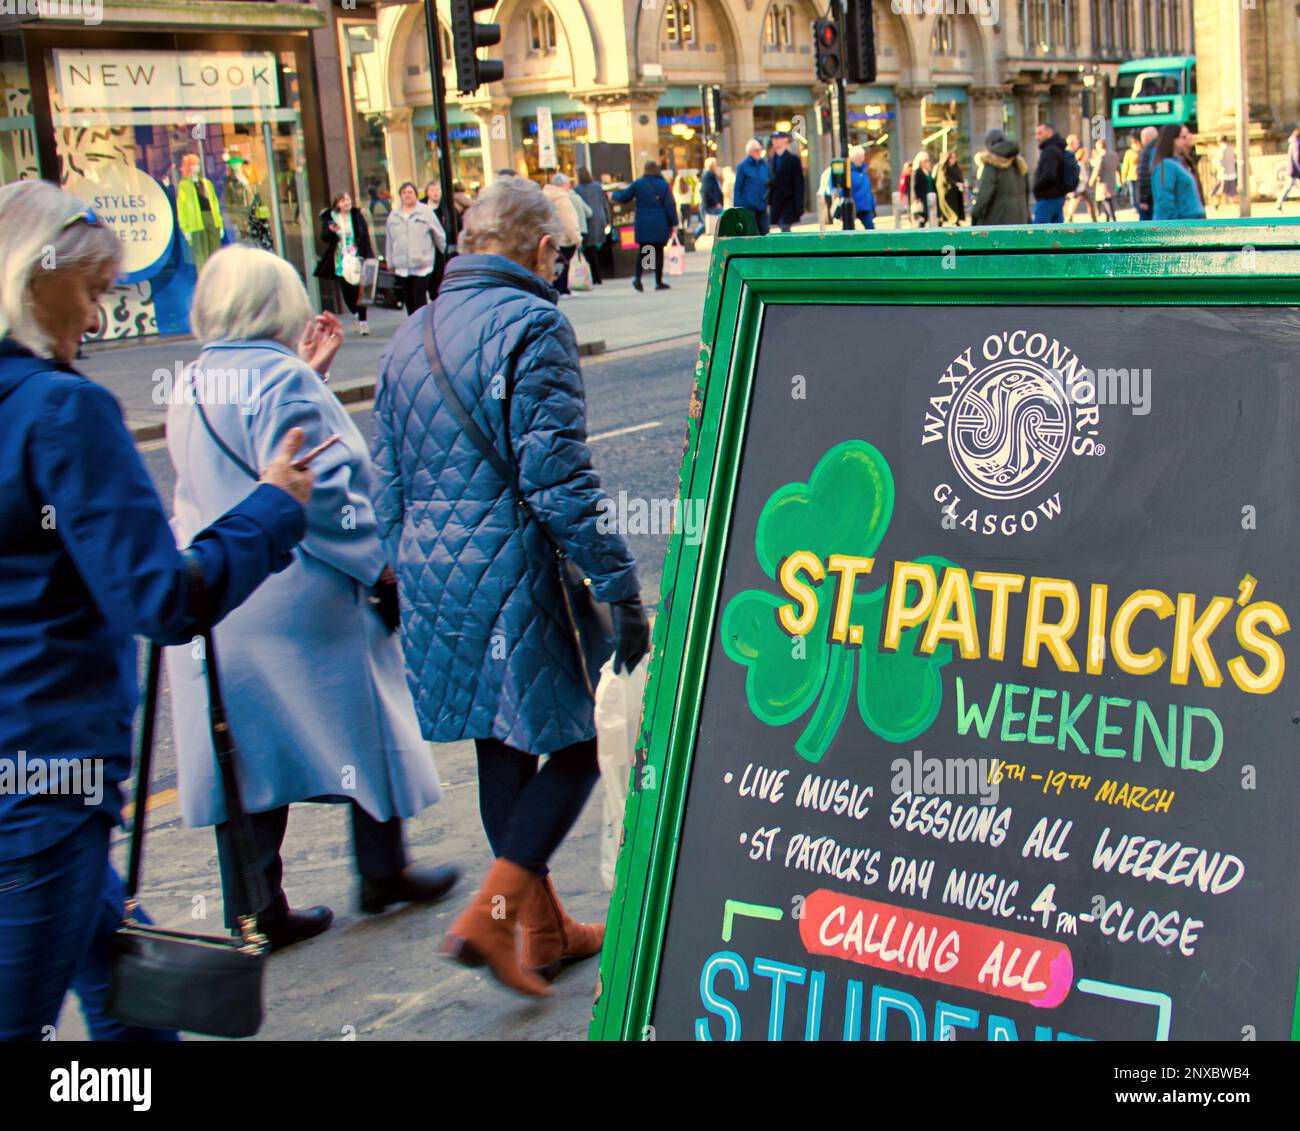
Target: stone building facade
x=629 y=72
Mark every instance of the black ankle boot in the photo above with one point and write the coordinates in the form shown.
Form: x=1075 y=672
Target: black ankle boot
x=410 y=885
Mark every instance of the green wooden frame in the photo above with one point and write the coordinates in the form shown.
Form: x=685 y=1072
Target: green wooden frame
x=1233 y=262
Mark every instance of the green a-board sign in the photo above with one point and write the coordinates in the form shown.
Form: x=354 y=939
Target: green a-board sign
x=974 y=712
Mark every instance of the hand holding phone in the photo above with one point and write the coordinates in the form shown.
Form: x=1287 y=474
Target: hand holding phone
x=301 y=464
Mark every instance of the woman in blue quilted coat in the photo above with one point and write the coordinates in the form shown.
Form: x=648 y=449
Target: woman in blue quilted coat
x=488 y=651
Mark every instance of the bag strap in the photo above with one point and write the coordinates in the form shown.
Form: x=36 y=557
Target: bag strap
x=507 y=471
x=216 y=439
x=253 y=894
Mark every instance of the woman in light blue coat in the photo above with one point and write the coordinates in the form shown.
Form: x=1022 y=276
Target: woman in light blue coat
x=312 y=674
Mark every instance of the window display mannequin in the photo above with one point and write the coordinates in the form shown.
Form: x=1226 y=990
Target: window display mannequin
x=198 y=212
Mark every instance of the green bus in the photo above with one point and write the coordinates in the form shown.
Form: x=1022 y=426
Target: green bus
x=1153 y=92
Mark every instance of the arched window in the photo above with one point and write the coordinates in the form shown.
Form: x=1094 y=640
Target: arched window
x=943 y=40
x=778 y=26
x=679 y=21
x=1148 y=38
x=1162 y=24
x=1124 y=32
x=1176 y=26
x=541 y=29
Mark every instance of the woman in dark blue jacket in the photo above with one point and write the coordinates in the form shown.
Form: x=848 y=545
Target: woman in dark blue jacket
x=89 y=562
x=489 y=654
x=656 y=218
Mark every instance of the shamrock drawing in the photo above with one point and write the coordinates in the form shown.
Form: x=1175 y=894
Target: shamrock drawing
x=844 y=508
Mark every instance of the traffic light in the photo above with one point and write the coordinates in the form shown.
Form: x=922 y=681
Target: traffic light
x=468 y=35
x=859 y=43
x=826 y=45
x=713 y=109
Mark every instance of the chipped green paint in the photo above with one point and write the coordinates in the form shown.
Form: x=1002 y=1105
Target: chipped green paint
x=1204 y=262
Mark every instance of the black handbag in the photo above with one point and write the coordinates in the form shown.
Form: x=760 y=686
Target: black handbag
x=588 y=622
x=167 y=979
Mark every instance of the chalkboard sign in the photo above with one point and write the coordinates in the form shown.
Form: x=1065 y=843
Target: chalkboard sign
x=974 y=710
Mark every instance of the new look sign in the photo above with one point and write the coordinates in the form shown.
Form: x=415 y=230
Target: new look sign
x=101 y=80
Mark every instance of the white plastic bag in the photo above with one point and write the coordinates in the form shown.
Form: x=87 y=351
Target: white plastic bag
x=675 y=257
x=618 y=719
x=579 y=272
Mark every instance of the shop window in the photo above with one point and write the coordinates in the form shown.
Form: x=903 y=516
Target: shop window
x=679 y=21
x=17 y=126
x=182 y=167
x=943 y=40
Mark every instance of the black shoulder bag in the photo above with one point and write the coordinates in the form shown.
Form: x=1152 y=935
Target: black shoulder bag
x=164 y=979
x=588 y=621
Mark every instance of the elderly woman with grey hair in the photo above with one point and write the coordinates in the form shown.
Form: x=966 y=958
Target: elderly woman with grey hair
x=489 y=653
x=313 y=673
x=89 y=563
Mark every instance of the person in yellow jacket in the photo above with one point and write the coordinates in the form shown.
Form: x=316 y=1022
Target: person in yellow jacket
x=198 y=212
x=1128 y=170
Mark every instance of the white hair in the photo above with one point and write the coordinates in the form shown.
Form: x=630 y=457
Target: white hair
x=922 y=155
x=510 y=216
x=857 y=151
x=245 y=293
x=39 y=232
x=752 y=144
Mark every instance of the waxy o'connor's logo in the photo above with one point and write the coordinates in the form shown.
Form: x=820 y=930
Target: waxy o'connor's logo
x=1010 y=416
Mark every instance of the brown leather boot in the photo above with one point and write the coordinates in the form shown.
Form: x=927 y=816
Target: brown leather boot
x=478 y=937
x=552 y=940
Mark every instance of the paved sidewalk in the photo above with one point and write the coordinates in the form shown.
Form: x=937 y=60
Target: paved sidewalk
x=610 y=317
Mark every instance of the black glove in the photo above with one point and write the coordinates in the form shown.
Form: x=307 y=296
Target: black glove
x=383 y=599
x=631 y=633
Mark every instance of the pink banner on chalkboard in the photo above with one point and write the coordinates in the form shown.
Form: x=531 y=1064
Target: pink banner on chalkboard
x=986 y=959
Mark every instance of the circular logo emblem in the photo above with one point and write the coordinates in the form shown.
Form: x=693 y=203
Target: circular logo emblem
x=1008 y=428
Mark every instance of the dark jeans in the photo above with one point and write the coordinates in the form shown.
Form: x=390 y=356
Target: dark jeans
x=761 y=216
x=591 y=253
x=378 y=846
x=414 y=290
x=58 y=912
x=350 y=296
x=658 y=250
x=562 y=279
x=1050 y=210
x=527 y=811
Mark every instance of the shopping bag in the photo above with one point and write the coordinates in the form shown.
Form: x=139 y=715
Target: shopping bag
x=579 y=272
x=369 y=281
x=618 y=720
x=675 y=257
